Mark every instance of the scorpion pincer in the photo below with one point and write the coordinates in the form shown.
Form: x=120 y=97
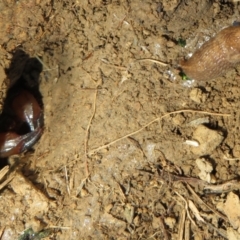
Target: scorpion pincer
x=11 y=143
x=26 y=123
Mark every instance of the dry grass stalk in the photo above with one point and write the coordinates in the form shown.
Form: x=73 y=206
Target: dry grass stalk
x=154 y=61
x=67 y=182
x=4 y=171
x=201 y=202
x=87 y=134
x=181 y=224
x=187 y=230
x=186 y=207
x=151 y=122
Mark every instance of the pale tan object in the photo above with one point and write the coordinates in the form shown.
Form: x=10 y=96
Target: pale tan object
x=208 y=140
x=205 y=168
x=215 y=57
x=231 y=208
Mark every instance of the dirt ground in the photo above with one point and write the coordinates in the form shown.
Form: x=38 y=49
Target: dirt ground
x=129 y=149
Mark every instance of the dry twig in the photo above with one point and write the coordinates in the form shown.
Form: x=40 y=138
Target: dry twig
x=222 y=188
x=60 y=227
x=187 y=230
x=186 y=207
x=2 y=231
x=230 y=159
x=67 y=182
x=80 y=187
x=87 y=134
x=153 y=60
x=6 y=182
x=4 y=171
x=222 y=232
x=201 y=202
x=181 y=224
x=153 y=121
x=195 y=211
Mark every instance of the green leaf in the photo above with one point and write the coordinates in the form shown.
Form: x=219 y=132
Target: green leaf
x=184 y=76
x=29 y=234
x=182 y=42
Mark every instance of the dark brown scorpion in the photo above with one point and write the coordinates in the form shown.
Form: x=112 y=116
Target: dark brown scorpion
x=21 y=121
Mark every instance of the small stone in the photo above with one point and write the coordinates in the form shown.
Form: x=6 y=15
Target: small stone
x=206 y=169
x=197 y=95
x=236 y=151
x=170 y=222
x=178 y=120
x=33 y=201
x=170 y=44
x=136 y=221
x=203 y=165
x=231 y=208
x=232 y=234
x=155 y=222
x=108 y=208
x=146 y=32
x=205 y=176
x=208 y=140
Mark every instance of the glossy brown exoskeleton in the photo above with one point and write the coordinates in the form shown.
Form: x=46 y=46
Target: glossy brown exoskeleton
x=21 y=121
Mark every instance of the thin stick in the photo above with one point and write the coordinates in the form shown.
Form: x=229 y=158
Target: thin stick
x=137 y=60
x=113 y=66
x=66 y=177
x=155 y=120
x=1 y=232
x=59 y=227
x=181 y=224
x=87 y=134
x=201 y=202
x=80 y=187
x=38 y=58
x=50 y=69
x=230 y=159
x=4 y=171
x=222 y=232
x=186 y=207
x=152 y=60
x=2 y=185
x=187 y=230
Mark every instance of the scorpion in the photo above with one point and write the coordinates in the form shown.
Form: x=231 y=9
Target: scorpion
x=21 y=120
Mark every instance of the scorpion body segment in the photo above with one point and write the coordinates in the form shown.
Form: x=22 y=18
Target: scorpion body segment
x=21 y=120
x=11 y=143
x=27 y=110
x=26 y=124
